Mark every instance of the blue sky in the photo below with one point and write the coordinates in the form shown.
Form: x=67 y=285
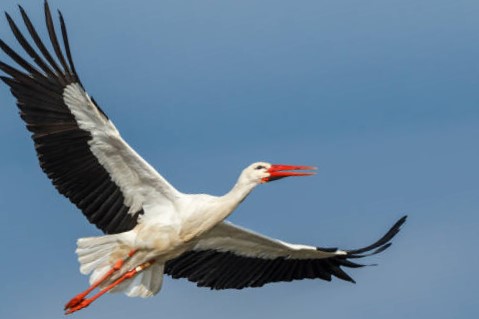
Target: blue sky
x=380 y=95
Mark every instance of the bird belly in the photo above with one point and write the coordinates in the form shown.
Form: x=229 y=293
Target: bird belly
x=161 y=242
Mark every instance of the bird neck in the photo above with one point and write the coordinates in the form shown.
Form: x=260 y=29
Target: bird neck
x=218 y=209
x=237 y=194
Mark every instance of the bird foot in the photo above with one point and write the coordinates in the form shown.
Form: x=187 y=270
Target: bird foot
x=83 y=303
x=75 y=300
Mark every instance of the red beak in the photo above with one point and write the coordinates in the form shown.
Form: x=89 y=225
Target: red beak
x=278 y=171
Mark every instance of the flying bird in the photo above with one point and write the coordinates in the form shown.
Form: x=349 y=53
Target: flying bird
x=150 y=227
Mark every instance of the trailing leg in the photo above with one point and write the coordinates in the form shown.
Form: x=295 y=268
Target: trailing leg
x=75 y=301
x=128 y=275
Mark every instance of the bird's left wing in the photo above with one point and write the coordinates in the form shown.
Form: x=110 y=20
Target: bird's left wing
x=78 y=147
x=233 y=257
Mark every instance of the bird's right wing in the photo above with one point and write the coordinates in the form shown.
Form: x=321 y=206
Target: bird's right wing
x=233 y=257
x=78 y=147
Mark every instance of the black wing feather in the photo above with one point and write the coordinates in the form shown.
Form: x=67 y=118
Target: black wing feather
x=54 y=41
x=67 y=47
x=227 y=270
x=60 y=75
x=62 y=147
x=29 y=50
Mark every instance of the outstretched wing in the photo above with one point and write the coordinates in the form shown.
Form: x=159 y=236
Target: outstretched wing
x=78 y=147
x=232 y=257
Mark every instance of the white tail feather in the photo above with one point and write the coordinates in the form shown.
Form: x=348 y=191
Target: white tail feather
x=148 y=284
x=94 y=254
x=145 y=284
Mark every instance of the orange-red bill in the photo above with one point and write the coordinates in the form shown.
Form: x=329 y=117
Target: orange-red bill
x=278 y=171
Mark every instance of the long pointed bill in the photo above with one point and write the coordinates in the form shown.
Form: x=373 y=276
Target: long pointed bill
x=278 y=171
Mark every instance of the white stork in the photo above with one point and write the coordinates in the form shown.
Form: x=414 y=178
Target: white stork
x=151 y=228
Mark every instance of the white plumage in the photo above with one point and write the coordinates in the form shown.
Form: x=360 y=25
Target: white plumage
x=151 y=229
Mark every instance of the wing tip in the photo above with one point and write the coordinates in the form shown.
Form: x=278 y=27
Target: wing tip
x=22 y=11
x=378 y=247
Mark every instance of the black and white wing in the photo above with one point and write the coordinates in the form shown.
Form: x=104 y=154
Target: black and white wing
x=78 y=147
x=231 y=257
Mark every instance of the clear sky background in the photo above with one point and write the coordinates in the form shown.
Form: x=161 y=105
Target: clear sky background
x=381 y=95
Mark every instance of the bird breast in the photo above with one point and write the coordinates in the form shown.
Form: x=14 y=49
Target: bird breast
x=170 y=228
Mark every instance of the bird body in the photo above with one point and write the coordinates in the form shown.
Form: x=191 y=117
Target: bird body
x=168 y=228
x=150 y=227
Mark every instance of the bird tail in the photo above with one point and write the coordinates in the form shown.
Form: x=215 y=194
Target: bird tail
x=97 y=255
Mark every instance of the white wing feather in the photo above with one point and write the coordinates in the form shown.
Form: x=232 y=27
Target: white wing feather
x=243 y=242
x=139 y=182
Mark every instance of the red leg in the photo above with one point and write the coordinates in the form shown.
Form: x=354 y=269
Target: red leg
x=81 y=296
x=129 y=274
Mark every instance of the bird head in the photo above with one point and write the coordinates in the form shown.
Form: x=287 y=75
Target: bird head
x=262 y=172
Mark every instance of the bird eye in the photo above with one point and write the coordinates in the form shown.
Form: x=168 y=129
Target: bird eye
x=259 y=167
